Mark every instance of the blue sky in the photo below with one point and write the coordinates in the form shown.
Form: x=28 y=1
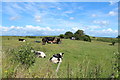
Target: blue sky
x=54 y=18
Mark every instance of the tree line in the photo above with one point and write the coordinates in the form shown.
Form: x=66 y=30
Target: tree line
x=78 y=35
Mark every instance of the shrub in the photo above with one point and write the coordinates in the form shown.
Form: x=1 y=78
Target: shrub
x=68 y=34
x=115 y=65
x=79 y=32
x=24 y=55
x=87 y=38
x=83 y=37
x=78 y=37
x=61 y=36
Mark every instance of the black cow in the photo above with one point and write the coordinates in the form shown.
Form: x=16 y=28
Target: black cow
x=57 y=58
x=50 y=40
x=23 y=40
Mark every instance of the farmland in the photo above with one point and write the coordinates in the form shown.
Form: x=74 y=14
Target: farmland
x=81 y=59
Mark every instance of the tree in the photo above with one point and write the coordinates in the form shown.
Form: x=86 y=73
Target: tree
x=118 y=36
x=68 y=34
x=79 y=32
x=87 y=38
x=61 y=35
x=79 y=35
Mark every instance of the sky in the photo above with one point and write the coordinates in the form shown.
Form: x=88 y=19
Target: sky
x=98 y=19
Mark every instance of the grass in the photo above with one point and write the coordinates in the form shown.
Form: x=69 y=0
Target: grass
x=81 y=59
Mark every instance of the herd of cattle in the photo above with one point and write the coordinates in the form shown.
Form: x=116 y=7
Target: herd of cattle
x=56 y=58
x=52 y=40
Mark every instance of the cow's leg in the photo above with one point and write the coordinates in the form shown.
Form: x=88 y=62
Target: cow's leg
x=43 y=43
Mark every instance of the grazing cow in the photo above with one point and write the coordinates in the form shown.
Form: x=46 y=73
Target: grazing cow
x=23 y=40
x=50 y=40
x=58 y=41
x=57 y=58
x=39 y=54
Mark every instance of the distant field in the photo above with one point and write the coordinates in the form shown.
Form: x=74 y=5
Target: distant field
x=81 y=59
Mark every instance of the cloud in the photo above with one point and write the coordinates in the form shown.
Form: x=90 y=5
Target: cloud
x=59 y=8
x=86 y=28
x=14 y=18
x=75 y=28
x=95 y=30
x=104 y=32
x=94 y=15
x=112 y=13
x=112 y=2
x=42 y=31
x=37 y=18
x=103 y=22
x=68 y=12
x=92 y=27
x=30 y=30
x=71 y=18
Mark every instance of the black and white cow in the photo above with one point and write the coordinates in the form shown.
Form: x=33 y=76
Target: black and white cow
x=23 y=40
x=39 y=54
x=50 y=40
x=57 y=58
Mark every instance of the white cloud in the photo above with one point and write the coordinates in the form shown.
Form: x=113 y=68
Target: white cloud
x=37 y=30
x=112 y=13
x=75 y=28
x=109 y=30
x=68 y=12
x=59 y=8
x=37 y=18
x=30 y=30
x=112 y=2
x=92 y=27
x=14 y=17
x=103 y=22
x=104 y=32
x=94 y=15
x=71 y=18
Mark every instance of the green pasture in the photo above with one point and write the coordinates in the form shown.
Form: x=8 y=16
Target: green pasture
x=81 y=59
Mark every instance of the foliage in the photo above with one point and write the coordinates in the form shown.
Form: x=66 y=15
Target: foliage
x=79 y=32
x=68 y=34
x=80 y=35
x=87 y=38
x=118 y=36
x=24 y=55
x=83 y=37
x=61 y=35
x=116 y=66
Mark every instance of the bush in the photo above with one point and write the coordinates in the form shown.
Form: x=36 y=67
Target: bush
x=79 y=32
x=87 y=38
x=61 y=36
x=24 y=55
x=68 y=35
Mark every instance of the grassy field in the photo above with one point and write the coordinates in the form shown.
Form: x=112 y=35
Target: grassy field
x=81 y=59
